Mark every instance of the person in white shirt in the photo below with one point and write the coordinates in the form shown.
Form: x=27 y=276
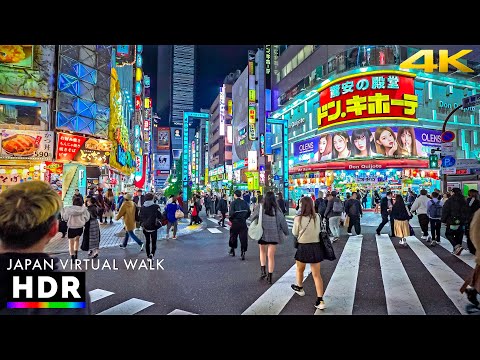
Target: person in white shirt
x=420 y=206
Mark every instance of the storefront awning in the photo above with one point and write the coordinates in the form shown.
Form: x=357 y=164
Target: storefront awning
x=362 y=164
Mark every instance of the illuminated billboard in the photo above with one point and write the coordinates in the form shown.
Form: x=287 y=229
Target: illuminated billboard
x=376 y=95
x=380 y=142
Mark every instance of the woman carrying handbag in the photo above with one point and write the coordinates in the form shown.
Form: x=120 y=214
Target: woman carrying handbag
x=271 y=221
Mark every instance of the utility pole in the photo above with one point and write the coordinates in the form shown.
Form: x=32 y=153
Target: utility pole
x=444 y=185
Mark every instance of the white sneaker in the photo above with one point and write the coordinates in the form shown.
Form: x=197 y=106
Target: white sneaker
x=320 y=306
x=349 y=233
x=402 y=241
x=434 y=243
x=423 y=237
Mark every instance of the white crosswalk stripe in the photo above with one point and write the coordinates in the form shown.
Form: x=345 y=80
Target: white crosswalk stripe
x=181 y=312
x=465 y=256
x=340 y=293
x=399 y=292
x=99 y=294
x=446 y=277
x=129 y=307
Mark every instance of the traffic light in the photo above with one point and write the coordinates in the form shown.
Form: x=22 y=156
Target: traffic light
x=433 y=161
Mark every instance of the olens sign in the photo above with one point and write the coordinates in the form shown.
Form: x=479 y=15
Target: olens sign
x=305 y=147
x=376 y=95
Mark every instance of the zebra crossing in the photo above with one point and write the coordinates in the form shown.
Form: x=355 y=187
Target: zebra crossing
x=400 y=294
x=407 y=277
x=131 y=306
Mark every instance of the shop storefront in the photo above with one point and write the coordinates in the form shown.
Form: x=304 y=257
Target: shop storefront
x=24 y=155
x=371 y=125
x=83 y=159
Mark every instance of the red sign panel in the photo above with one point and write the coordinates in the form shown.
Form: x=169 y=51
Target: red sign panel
x=377 y=95
x=138 y=102
x=83 y=149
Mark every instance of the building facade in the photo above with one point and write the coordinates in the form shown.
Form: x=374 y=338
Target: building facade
x=357 y=121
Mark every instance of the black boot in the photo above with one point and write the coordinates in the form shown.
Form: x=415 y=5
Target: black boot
x=76 y=255
x=264 y=272
x=72 y=257
x=243 y=255
x=269 y=278
x=232 y=252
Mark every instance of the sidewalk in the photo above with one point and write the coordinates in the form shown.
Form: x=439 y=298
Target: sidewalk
x=108 y=237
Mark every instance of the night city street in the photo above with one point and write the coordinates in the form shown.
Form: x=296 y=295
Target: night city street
x=208 y=179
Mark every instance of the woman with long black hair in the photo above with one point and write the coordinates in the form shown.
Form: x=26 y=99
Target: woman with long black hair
x=400 y=215
x=274 y=228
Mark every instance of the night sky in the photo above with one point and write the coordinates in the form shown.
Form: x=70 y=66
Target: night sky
x=214 y=62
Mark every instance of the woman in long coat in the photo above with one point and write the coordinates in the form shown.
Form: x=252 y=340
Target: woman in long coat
x=91 y=235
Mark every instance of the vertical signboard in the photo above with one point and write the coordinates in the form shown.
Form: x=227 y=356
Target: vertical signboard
x=285 y=160
x=268 y=77
x=252 y=106
x=222 y=111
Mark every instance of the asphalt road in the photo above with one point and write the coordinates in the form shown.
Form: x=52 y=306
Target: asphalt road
x=372 y=275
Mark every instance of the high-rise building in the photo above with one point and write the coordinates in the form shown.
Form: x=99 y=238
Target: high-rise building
x=175 y=82
x=221 y=133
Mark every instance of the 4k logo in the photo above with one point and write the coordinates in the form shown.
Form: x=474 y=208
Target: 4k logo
x=443 y=61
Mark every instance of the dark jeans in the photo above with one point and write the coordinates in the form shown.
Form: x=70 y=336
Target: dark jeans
x=238 y=229
x=151 y=236
x=435 y=225
x=423 y=220
x=354 y=221
x=134 y=237
x=222 y=220
x=454 y=236
x=382 y=224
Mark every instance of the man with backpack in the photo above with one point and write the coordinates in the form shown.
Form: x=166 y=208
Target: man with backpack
x=333 y=213
x=434 y=212
x=320 y=205
x=150 y=218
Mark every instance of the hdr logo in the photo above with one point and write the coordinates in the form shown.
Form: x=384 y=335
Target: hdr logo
x=443 y=61
x=47 y=290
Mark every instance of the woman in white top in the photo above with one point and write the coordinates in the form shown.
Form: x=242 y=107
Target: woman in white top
x=306 y=227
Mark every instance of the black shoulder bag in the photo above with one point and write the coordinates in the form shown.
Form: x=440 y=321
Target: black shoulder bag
x=326 y=243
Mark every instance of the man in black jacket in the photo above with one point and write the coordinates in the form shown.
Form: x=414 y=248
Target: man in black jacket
x=353 y=209
x=223 y=207
x=386 y=205
x=239 y=213
x=28 y=221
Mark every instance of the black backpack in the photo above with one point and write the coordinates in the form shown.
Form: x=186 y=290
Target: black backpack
x=154 y=221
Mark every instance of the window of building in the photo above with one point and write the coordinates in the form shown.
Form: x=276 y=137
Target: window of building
x=289 y=67
x=308 y=49
x=284 y=72
x=294 y=62
x=281 y=49
x=301 y=56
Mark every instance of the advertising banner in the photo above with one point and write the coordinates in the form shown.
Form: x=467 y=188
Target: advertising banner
x=162 y=161
x=83 y=149
x=163 y=138
x=53 y=175
x=377 y=95
x=25 y=144
x=380 y=142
